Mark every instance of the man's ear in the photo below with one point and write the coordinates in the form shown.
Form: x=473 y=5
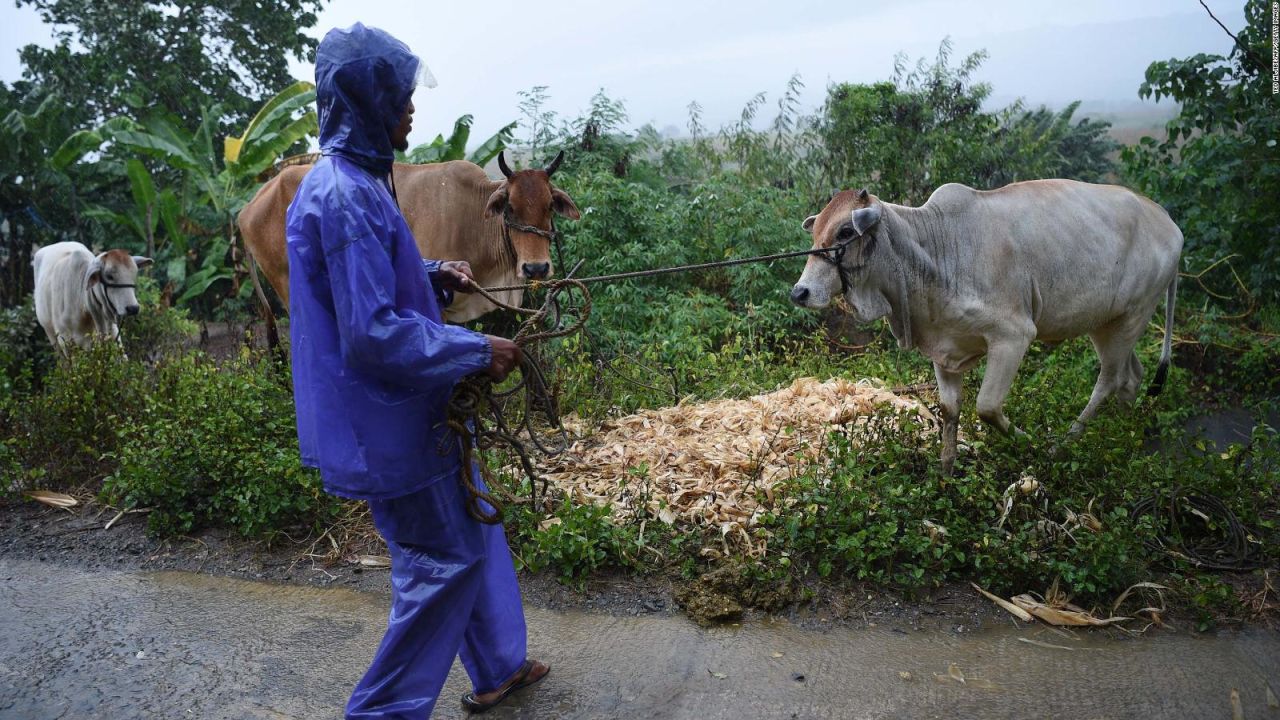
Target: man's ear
x=141 y=261
x=808 y=223
x=497 y=201
x=563 y=204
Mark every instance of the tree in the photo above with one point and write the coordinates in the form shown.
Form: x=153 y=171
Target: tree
x=905 y=137
x=118 y=58
x=926 y=127
x=40 y=198
x=1217 y=170
x=198 y=218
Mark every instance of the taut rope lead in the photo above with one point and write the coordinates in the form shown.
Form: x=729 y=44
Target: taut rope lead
x=837 y=249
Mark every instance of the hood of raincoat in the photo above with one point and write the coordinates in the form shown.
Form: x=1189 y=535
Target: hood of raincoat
x=364 y=79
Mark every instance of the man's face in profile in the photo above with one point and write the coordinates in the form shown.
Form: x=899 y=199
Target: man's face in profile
x=400 y=136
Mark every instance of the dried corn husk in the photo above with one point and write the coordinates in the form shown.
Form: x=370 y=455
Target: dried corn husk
x=712 y=464
x=1014 y=610
x=1066 y=615
x=52 y=499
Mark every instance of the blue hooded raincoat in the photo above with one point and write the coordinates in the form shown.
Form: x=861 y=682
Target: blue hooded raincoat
x=373 y=362
x=373 y=368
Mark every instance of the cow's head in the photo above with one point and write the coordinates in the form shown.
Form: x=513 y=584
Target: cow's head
x=846 y=226
x=111 y=279
x=525 y=201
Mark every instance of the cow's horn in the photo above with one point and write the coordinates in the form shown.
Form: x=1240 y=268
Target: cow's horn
x=555 y=163
x=502 y=164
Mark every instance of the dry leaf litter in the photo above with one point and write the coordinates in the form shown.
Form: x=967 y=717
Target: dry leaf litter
x=708 y=464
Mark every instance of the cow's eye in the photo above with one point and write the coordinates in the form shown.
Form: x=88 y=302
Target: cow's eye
x=844 y=233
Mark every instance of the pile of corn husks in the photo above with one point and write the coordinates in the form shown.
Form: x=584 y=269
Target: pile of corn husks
x=706 y=464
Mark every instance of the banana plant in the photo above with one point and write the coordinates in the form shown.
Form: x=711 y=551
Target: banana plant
x=215 y=185
x=454 y=147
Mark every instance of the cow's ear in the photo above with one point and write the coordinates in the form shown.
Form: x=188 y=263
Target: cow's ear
x=93 y=273
x=497 y=201
x=563 y=204
x=141 y=261
x=866 y=218
x=808 y=223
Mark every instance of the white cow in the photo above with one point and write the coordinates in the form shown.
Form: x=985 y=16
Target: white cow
x=79 y=296
x=973 y=273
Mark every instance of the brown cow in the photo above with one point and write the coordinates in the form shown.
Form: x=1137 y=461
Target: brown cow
x=455 y=212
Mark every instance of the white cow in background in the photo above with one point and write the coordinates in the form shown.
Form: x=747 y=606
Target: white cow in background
x=79 y=297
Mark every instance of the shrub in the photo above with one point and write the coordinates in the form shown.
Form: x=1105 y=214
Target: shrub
x=218 y=448
x=62 y=436
x=157 y=331
x=25 y=354
x=574 y=542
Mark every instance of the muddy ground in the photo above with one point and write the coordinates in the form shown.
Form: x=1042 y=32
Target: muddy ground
x=76 y=538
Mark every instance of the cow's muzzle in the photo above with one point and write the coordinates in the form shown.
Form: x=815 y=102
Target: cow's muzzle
x=536 y=271
x=800 y=295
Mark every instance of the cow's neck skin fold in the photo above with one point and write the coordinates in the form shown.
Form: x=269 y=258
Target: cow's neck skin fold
x=99 y=307
x=920 y=239
x=904 y=266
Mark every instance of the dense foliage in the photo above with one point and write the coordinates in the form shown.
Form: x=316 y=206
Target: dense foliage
x=119 y=57
x=1217 y=170
x=927 y=127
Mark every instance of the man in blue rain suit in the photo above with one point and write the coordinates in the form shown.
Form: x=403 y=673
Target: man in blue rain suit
x=373 y=368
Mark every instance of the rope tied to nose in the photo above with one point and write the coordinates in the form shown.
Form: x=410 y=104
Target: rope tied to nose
x=474 y=401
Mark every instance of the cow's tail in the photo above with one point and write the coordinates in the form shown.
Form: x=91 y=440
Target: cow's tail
x=1166 y=353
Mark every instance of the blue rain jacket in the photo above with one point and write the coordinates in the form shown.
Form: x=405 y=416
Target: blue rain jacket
x=373 y=362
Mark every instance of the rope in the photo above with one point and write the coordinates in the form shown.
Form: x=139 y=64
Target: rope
x=660 y=271
x=1199 y=529
x=474 y=401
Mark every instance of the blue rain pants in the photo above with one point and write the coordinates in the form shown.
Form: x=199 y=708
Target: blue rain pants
x=454 y=593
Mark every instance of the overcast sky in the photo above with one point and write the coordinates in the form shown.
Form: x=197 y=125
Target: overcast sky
x=658 y=55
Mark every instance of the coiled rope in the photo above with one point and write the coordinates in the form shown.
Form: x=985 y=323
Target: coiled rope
x=1198 y=529
x=476 y=411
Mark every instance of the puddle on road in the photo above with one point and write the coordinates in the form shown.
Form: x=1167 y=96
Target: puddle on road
x=91 y=644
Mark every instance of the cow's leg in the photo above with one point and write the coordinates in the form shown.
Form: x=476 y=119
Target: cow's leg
x=1119 y=371
x=1127 y=390
x=1003 y=358
x=950 y=388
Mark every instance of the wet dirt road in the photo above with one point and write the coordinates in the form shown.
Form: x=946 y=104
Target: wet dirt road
x=102 y=644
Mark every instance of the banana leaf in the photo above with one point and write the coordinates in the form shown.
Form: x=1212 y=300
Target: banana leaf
x=490 y=148
x=81 y=143
x=281 y=109
x=261 y=151
x=143 y=189
x=158 y=146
